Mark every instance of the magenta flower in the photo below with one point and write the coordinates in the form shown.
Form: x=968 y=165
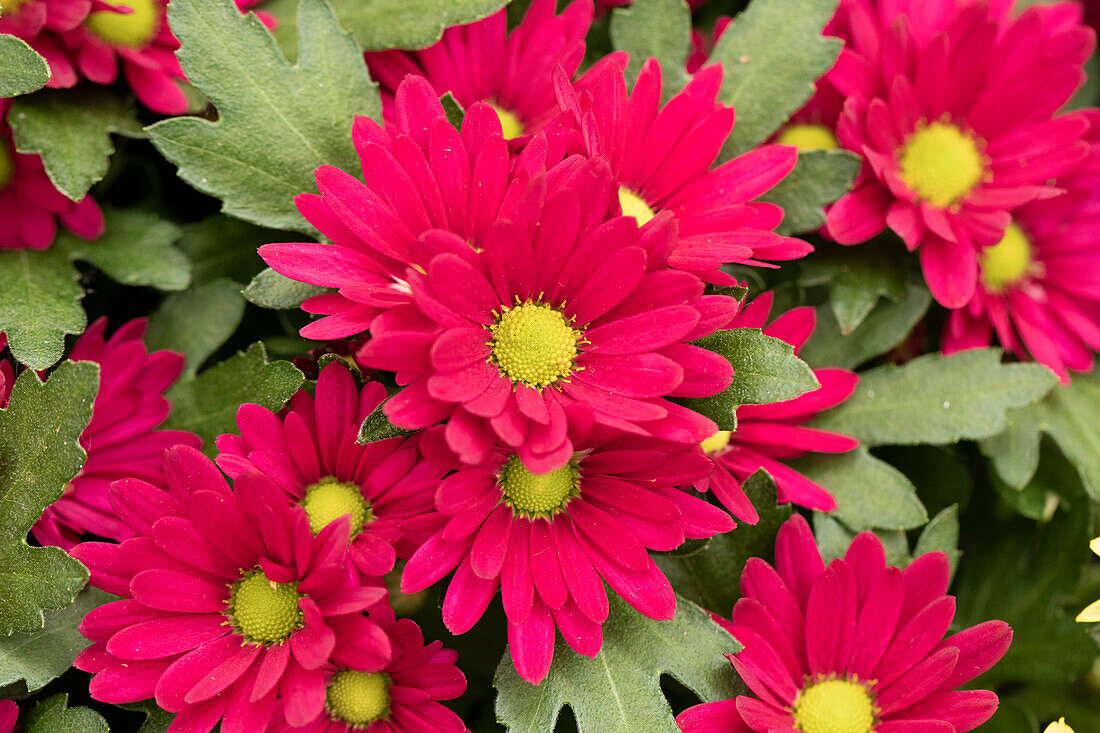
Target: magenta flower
x=7 y=374
x=229 y=601
x=953 y=111
x=402 y=696
x=661 y=159
x=855 y=647
x=550 y=540
x=311 y=453
x=1039 y=287
x=768 y=435
x=9 y=716
x=40 y=23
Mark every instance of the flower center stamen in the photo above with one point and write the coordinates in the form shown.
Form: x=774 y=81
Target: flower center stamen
x=534 y=344
x=511 y=125
x=835 y=706
x=716 y=442
x=634 y=205
x=11 y=7
x=358 y=698
x=263 y=611
x=329 y=499
x=134 y=29
x=1006 y=262
x=538 y=494
x=7 y=165
x=941 y=163
x=806 y=137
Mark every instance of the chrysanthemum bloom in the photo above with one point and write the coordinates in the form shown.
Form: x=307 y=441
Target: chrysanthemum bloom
x=550 y=540
x=40 y=23
x=1038 y=288
x=1092 y=613
x=500 y=340
x=484 y=62
x=768 y=435
x=854 y=647
x=30 y=206
x=661 y=160
x=953 y=111
x=401 y=697
x=9 y=716
x=311 y=453
x=229 y=601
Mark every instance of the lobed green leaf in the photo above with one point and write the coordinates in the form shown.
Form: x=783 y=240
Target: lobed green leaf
x=54 y=715
x=41 y=304
x=197 y=321
x=271 y=290
x=654 y=28
x=819 y=178
x=22 y=70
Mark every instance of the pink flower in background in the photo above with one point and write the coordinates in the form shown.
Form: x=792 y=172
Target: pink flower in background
x=852 y=646
x=9 y=716
x=40 y=23
x=7 y=374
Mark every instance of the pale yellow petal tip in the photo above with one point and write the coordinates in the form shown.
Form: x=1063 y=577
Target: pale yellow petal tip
x=1059 y=727
x=1095 y=545
x=1090 y=614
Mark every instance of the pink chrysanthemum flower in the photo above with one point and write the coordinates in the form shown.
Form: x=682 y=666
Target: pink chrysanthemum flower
x=952 y=107
x=310 y=452
x=1039 y=287
x=550 y=540
x=401 y=697
x=661 y=160
x=40 y=23
x=854 y=647
x=9 y=716
x=768 y=435
x=121 y=440
x=229 y=601
x=30 y=206
x=7 y=374
x=484 y=62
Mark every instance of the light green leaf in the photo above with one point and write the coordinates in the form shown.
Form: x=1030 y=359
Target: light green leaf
x=820 y=178
x=53 y=715
x=453 y=110
x=276 y=122
x=41 y=304
x=937 y=399
x=219 y=246
x=198 y=321
x=271 y=290
x=859 y=276
x=772 y=55
x=22 y=70
x=39 y=454
x=654 y=28
x=941 y=535
x=71 y=129
x=135 y=249
x=619 y=691
x=376 y=426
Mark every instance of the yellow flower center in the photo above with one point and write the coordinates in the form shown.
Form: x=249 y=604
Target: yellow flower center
x=1058 y=727
x=538 y=494
x=328 y=500
x=808 y=137
x=835 y=706
x=263 y=611
x=11 y=7
x=134 y=29
x=941 y=163
x=510 y=124
x=7 y=164
x=716 y=442
x=1006 y=262
x=534 y=344
x=358 y=698
x=634 y=205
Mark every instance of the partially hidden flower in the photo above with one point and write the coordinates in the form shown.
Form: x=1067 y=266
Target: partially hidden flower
x=9 y=716
x=855 y=646
x=1058 y=726
x=1092 y=613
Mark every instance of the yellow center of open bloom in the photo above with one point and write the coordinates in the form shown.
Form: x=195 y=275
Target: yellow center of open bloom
x=11 y=7
x=7 y=164
x=1006 y=262
x=634 y=205
x=358 y=698
x=807 y=137
x=941 y=163
x=534 y=344
x=716 y=442
x=134 y=29
x=834 y=706
x=538 y=494
x=263 y=611
x=511 y=125
x=328 y=500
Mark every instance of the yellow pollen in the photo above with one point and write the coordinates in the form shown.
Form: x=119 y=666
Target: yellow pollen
x=7 y=164
x=834 y=706
x=11 y=7
x=534 y=344
x=511 y=125
x=1007 y=261
x=634 y=205
x=134 y=29
x=716 y=442
x=1058 y=727
x=807 y=137
x=538 y=494
x=264 y=612
x=328 y=500
x=941 y=163
x=358 y=698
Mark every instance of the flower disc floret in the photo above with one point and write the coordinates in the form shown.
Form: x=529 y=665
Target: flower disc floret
x=329 y=499
x=716 y=442
x=1008 y=261
x=534 y=344
x=538 y=494
x=808 y=136
x=134 y=29
x=263 y=611
x=7 y=165
x=634 y=205
x=835 y=706
x=358 y=698
x=941 y=163
x=511 y=126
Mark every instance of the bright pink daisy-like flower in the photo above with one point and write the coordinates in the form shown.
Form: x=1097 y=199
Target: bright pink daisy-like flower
x=310 y=452
x=550 y=540
x=768 y=435
x=1039 y=287
x=855 y=646
x=952 y=107
x=9 y=716
x=121 y=440
x=401 y=697
x=30 y=206
x=229 y=601
x=484 y=62
x=40 y=23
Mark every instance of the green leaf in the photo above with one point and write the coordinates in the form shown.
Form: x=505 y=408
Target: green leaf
x=937 y=399
x=453 y=110
x=859 y=277
x=941 y=535
x=619 y=691
x=54 y=715
x=198 y=321
x=41 y=304
x=377 y=427
x=41 y=656
x=772 y=54
x=39 y=454
x=22 y=70
x=765 y=370
x=820 y=178
x=271 y=290
x=71 y=129
x=276 y=122
x=219 y=246
x=135 y=249
x=207 y=404
x=157 y=719
x=654 y=28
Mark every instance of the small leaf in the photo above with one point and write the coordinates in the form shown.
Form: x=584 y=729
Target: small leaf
x=41 y=304
x=859 y=277
x=157 y=719
x=54 y=715
x=22 y=70
x=654 y=28
x=135 y=249
x=39 y=454
x=453 y=110
x=271 y=290
x=820 y=178
x=941 y=535
x=197 y=321
x=219 y=246
x=619 y=691
x=377 y=427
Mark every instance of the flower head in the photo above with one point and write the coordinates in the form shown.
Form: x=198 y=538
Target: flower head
x=851 y=647
x=9 y=715
x=1092 y=613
